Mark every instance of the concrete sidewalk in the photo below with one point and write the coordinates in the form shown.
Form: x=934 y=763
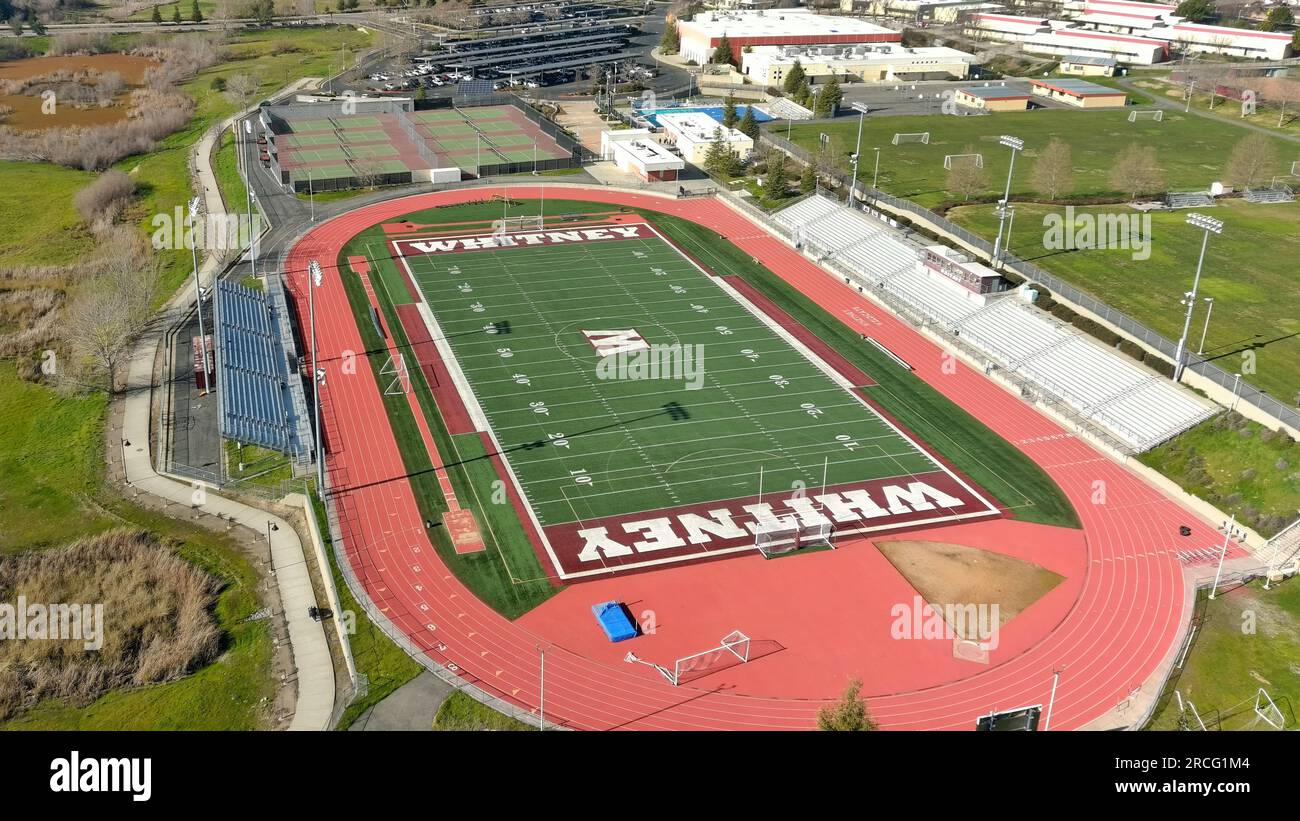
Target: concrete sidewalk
x=310 y=651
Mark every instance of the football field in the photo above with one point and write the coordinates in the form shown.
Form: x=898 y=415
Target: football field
x=648 y=412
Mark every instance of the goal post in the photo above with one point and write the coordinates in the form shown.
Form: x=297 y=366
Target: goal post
x=1158 y=115
x=780 y=537
x=912 y=137
x=732 y=649
x=950 y=159
x=505 y=225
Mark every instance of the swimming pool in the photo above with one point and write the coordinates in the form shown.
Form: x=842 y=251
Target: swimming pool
x=714 y=111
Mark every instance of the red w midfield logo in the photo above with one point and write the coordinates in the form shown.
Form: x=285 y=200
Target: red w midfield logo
x=609 y=343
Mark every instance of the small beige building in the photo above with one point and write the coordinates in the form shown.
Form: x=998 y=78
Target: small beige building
x=1079 y=93
x=992 y=98
x=693 y=132
x=1088 y=65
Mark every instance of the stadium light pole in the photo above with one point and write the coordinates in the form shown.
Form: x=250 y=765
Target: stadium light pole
x=1223 y=553
x=248 y=174
x=1051 y=701
x=198 y=293
x=1209 y=225
x=876 y=174
x=311 y=196
x=1209 y=310
x=1016 y=145
x=857 y=151
x=313 y=268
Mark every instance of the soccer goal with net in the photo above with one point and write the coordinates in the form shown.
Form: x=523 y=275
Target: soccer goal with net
x=916 y=137
x=781 y=537
x=1158 y=115
x=732 y=649
x=949 y=160
x=507 y=224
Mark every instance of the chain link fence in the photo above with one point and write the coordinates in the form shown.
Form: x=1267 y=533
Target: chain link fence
x=1283 y=412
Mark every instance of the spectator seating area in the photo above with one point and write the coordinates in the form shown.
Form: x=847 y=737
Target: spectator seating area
x=1280 y=193
x=1137 y=406
x=1188 y=199
x=253 y=373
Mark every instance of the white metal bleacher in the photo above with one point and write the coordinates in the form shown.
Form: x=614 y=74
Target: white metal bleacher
x=1139 y=407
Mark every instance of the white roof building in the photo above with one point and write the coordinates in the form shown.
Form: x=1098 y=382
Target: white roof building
x=1266 y=45
x=634 y=150
x=768 y=65
x=1128 y=49
x=694 y=131
x=776 y=27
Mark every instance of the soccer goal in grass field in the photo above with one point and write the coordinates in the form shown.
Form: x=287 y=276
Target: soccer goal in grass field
x=949 y=160
x=1158 y=115
x=780 y=537
x=913 y=137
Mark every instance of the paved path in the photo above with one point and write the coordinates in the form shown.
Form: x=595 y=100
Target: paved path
x=310 y=651
x=411 y=707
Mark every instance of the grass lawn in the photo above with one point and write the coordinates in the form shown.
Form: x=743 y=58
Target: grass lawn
x=1191 y=150
x=508 y=576
x=260 y=466
x=53 y=493
x=460 y=712
x=41 y=226
x=1249 y=638
x=1265 y=115
x=1249 y=270
x=225 y=165
x=385 y=665
x=1239 y=466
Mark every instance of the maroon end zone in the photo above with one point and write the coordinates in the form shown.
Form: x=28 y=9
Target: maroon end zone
x=520 y=239
x=712 y=529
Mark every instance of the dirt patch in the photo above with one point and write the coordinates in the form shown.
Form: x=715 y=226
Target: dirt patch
x=955 y=574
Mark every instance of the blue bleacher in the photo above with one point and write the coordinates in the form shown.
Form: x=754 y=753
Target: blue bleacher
x=252 y=372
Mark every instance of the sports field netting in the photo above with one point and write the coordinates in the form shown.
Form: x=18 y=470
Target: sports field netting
x=757 y=418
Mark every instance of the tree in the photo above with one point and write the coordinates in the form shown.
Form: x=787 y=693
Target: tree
x=1250 y=161
x=729 y=115
x=965 y=178
x=16 y=25
x=671 y=42
x=794 y=81
x=808 y=179
x=719 y=160
x=1137 y=171
x=829 y=98
x=777 y=185
x=749 y=124
x=1195 y=10
x=156 y=17
x=241 y=87
x=1053 y=172
x=849 y=715
x=722 y=51
x=195 y=14
x=176 y=14
x=1276 y=17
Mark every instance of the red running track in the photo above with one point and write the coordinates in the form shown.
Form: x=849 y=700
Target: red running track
x=1122 y=624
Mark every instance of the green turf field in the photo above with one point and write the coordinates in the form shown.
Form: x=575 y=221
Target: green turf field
x=509 y=575
x=607 y=446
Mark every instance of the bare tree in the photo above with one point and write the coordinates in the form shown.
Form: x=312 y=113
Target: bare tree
x=240 y=88
x=100 y=202
x=1137 y=171
x=1250 y=161
x=1053 y=172
x=965 y=178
